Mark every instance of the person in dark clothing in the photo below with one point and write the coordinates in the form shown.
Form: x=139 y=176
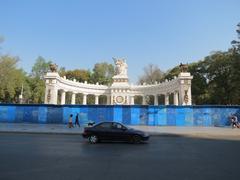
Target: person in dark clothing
x=70 y=124
x=234 y=121
x=77 y=121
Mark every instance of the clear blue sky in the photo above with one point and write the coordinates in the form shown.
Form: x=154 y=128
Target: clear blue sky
x=78 y=34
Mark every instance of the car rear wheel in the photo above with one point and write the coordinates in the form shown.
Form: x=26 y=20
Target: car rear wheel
x=93 y=139
x=136 y=139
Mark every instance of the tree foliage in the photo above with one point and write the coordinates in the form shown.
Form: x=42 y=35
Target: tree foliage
x=102 y=73
x=216 y=79
x=40 y=68
x=80 y=75
x=151 y=74
x=11 y=79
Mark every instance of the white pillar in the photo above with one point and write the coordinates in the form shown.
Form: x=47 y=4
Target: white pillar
x=144 y=100
x=181 y=96
x=108 y=99
x=73 y=98
x=96 y=99
x=131 y=100
x=176 y=98
x=185 y=96
x=156 y=100
x=63 y=97
x=51 y=92
x=51 y=95
x=189 y=96
x=167 y=99
x=47 y=95
x=84 y=99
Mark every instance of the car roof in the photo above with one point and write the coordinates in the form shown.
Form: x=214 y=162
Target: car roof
x=108 y=122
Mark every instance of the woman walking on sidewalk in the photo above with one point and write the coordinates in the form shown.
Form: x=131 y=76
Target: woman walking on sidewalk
x=70 y=123
x=77 y=121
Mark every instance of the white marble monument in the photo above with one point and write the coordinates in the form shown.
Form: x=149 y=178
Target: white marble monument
x=120 y=92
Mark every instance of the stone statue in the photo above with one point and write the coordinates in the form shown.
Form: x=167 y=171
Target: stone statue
x=183 y=67
x=120 y=67
x=53 y=67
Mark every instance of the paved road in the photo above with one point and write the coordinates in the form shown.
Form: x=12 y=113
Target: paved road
x=48 y=156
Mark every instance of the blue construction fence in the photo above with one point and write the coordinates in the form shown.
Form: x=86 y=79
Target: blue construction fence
x=204 y=115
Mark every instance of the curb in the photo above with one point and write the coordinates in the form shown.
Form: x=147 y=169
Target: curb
x=194 y=135
x=40 y=132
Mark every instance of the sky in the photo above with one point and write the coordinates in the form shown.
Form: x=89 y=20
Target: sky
x=77 y=34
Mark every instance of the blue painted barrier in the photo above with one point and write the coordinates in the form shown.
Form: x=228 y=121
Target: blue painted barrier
x=204 y=115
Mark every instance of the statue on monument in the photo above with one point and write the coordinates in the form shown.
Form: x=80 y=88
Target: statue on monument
x=53 y=67
x=183 y=67
x=120 y=67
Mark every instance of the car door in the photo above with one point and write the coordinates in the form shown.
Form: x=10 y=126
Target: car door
x=119 y=132
x=103 y=130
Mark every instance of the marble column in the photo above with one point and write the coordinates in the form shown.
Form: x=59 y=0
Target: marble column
x=189 y=96
x=73 y=98
x=47 y=95
x=51 y=95
x=131 y=100
x=167 y=99
x=108 y=100
x=84 y=99
x=63 y=97
x=175 y=98
x=96 y=99
x=156 y=100
x=144 y=100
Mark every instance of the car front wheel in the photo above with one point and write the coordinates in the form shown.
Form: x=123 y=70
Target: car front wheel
x=136 y=139
x=93 y=139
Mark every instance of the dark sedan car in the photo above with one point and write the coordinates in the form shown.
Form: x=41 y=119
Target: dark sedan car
x=113 y=131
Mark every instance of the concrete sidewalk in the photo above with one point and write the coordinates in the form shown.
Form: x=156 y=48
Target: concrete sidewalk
x=210 y=132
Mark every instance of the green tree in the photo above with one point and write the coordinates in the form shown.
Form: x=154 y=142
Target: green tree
x=102 y=73
x=233 y=58
x=36 y=80
x=11 y=79
x=199 y=82
x=40 y=68
x=80 y=75
x=219 y=77
x=37 y=87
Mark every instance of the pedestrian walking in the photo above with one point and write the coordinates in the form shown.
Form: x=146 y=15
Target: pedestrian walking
x=234 y=121
x=70 y=123
x=77 y=121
